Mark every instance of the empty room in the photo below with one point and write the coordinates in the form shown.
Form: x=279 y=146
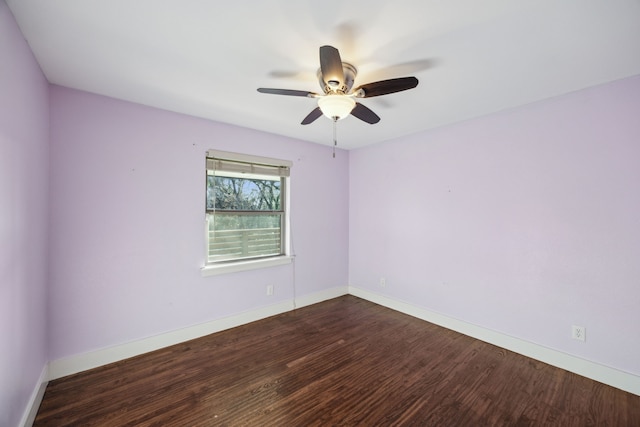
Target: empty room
x=287 y=213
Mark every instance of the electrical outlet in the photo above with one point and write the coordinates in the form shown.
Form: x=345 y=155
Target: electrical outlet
x=269 y=290
x=578 y=333
x=383 y=282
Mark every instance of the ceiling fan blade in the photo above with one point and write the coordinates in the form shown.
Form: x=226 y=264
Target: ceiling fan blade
x=288 y=92
x=312 y=116
x=384 y=87
x=365 y=114
x=331 y=67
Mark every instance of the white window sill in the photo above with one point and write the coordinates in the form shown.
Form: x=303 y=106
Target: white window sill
x=213 y=270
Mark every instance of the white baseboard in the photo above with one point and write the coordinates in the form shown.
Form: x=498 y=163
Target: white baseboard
x=35 y=399
x=604 y=374
x=81 y=362
x=324 y=295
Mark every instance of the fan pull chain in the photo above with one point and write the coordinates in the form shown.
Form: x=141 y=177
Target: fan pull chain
x=335 y=138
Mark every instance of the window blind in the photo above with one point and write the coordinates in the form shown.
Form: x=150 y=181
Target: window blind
x=225 y=165
x=244 y=163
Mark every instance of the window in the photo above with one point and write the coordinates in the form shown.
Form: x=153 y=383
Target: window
x=245 y=208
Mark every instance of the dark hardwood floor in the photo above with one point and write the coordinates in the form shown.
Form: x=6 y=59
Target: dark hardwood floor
x=343 y=362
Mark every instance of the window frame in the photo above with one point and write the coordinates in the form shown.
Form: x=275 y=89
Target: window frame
x=241 y=264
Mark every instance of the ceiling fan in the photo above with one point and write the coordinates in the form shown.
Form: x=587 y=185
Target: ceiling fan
x=336 y=79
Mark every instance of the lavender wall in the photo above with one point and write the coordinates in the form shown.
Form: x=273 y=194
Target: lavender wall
x=128 y=222
x=24 y=120
x=524 y=222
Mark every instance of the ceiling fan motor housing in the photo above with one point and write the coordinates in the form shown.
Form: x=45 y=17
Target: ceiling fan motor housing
x=332 y=86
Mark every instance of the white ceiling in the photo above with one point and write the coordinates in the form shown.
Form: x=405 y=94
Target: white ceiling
x=206 y=58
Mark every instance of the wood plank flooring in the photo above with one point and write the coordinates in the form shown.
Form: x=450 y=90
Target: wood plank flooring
x=343 y=362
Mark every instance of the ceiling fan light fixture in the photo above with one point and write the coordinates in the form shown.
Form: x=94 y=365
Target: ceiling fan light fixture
x=336 y=107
